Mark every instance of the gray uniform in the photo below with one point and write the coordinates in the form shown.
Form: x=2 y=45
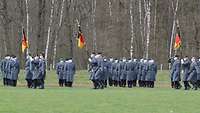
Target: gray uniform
x=193 y=72
x=28 y=71
x=60 y=70
x=144 y=71
x=152 y=71
x=15 y=70
x=176 y=70
x=130 y=67
x=140 y=68
x=8 y=69
x=186 y=68
x=198 y=70
x=122 y=71
x=35 y=69
x=70 y=72
x=99 y=75
x=3 y=67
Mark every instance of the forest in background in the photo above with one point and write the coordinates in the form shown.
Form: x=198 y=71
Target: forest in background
x=115 y=27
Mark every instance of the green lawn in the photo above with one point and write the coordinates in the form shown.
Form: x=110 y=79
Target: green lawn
x=82 y=99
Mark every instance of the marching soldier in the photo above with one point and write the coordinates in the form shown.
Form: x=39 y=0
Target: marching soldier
x=115 y=73
x=42 y=71
x=28 y=71
x=99 y=75
x=35 y=69
x=193 y=73
x=186 y=67
x=3 y=70
x=15 y=69
x=130 y=73
x=70 y=72
x=93 y=69
x=198 y=73
x=175 y=72
x=110 y=74
x=122 y=72
x=151 y=74
x=140 y=68
x=144 y=73
x=8 y=71
x=60 y=72
x=105 y=72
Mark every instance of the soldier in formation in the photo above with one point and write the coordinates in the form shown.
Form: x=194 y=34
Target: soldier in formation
x=190 y=71
x=35 y=71
x=121 y=73
x=10 y=69
x=65 y=72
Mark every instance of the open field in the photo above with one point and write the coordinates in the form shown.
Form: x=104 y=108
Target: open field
x=82 y=99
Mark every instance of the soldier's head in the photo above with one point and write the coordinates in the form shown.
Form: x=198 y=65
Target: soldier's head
x=61 y=59
x=193 y=59
x=124 y=59
x=42 y=56
x=70 y=60
x=116 y=61
x=111 y=59
x=141 y=60
x=176 y=57
x=105 y=60
x=92 y=54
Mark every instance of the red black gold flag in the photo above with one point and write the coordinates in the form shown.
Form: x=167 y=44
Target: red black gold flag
x=24 y=41
x=81 y=40
x=177 y=43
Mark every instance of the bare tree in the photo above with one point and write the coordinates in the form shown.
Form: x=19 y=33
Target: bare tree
x=49 y=32
x=57 y=32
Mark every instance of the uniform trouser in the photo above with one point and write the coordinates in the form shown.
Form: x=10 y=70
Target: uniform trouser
x=194 y=83
x=110 y=81
x=35 y=83
x=116 y=83
x=123 y=82
x=68 y=84
x=13 y=83
x=177 y=85
x=95 y=84
x=134 y=83
x=8 y=82
x=198 y=83
x=186 y=85
x=105 y=83
x=60 y=82
x=4 y=81
x=130 y=83
x=151 y=84
x=41 y=83
x=141 y=83
x=29 y=83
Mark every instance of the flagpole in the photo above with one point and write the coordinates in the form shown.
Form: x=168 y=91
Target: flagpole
x=27 y=25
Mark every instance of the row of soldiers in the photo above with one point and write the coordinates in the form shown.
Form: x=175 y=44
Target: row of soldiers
x=121 y=72
x=35 y=71
x=10 y=69
x=190 y=69
x=65 y=70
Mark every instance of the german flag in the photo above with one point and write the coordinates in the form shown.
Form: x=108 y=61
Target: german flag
x=24 y=41
x=177 y=43
x=81 y=40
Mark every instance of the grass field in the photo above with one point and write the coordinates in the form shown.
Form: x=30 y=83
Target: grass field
x=82 y=99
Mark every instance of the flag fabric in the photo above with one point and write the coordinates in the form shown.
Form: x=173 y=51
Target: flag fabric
x=24 y=41
x=177 y=43
x=81 y=40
